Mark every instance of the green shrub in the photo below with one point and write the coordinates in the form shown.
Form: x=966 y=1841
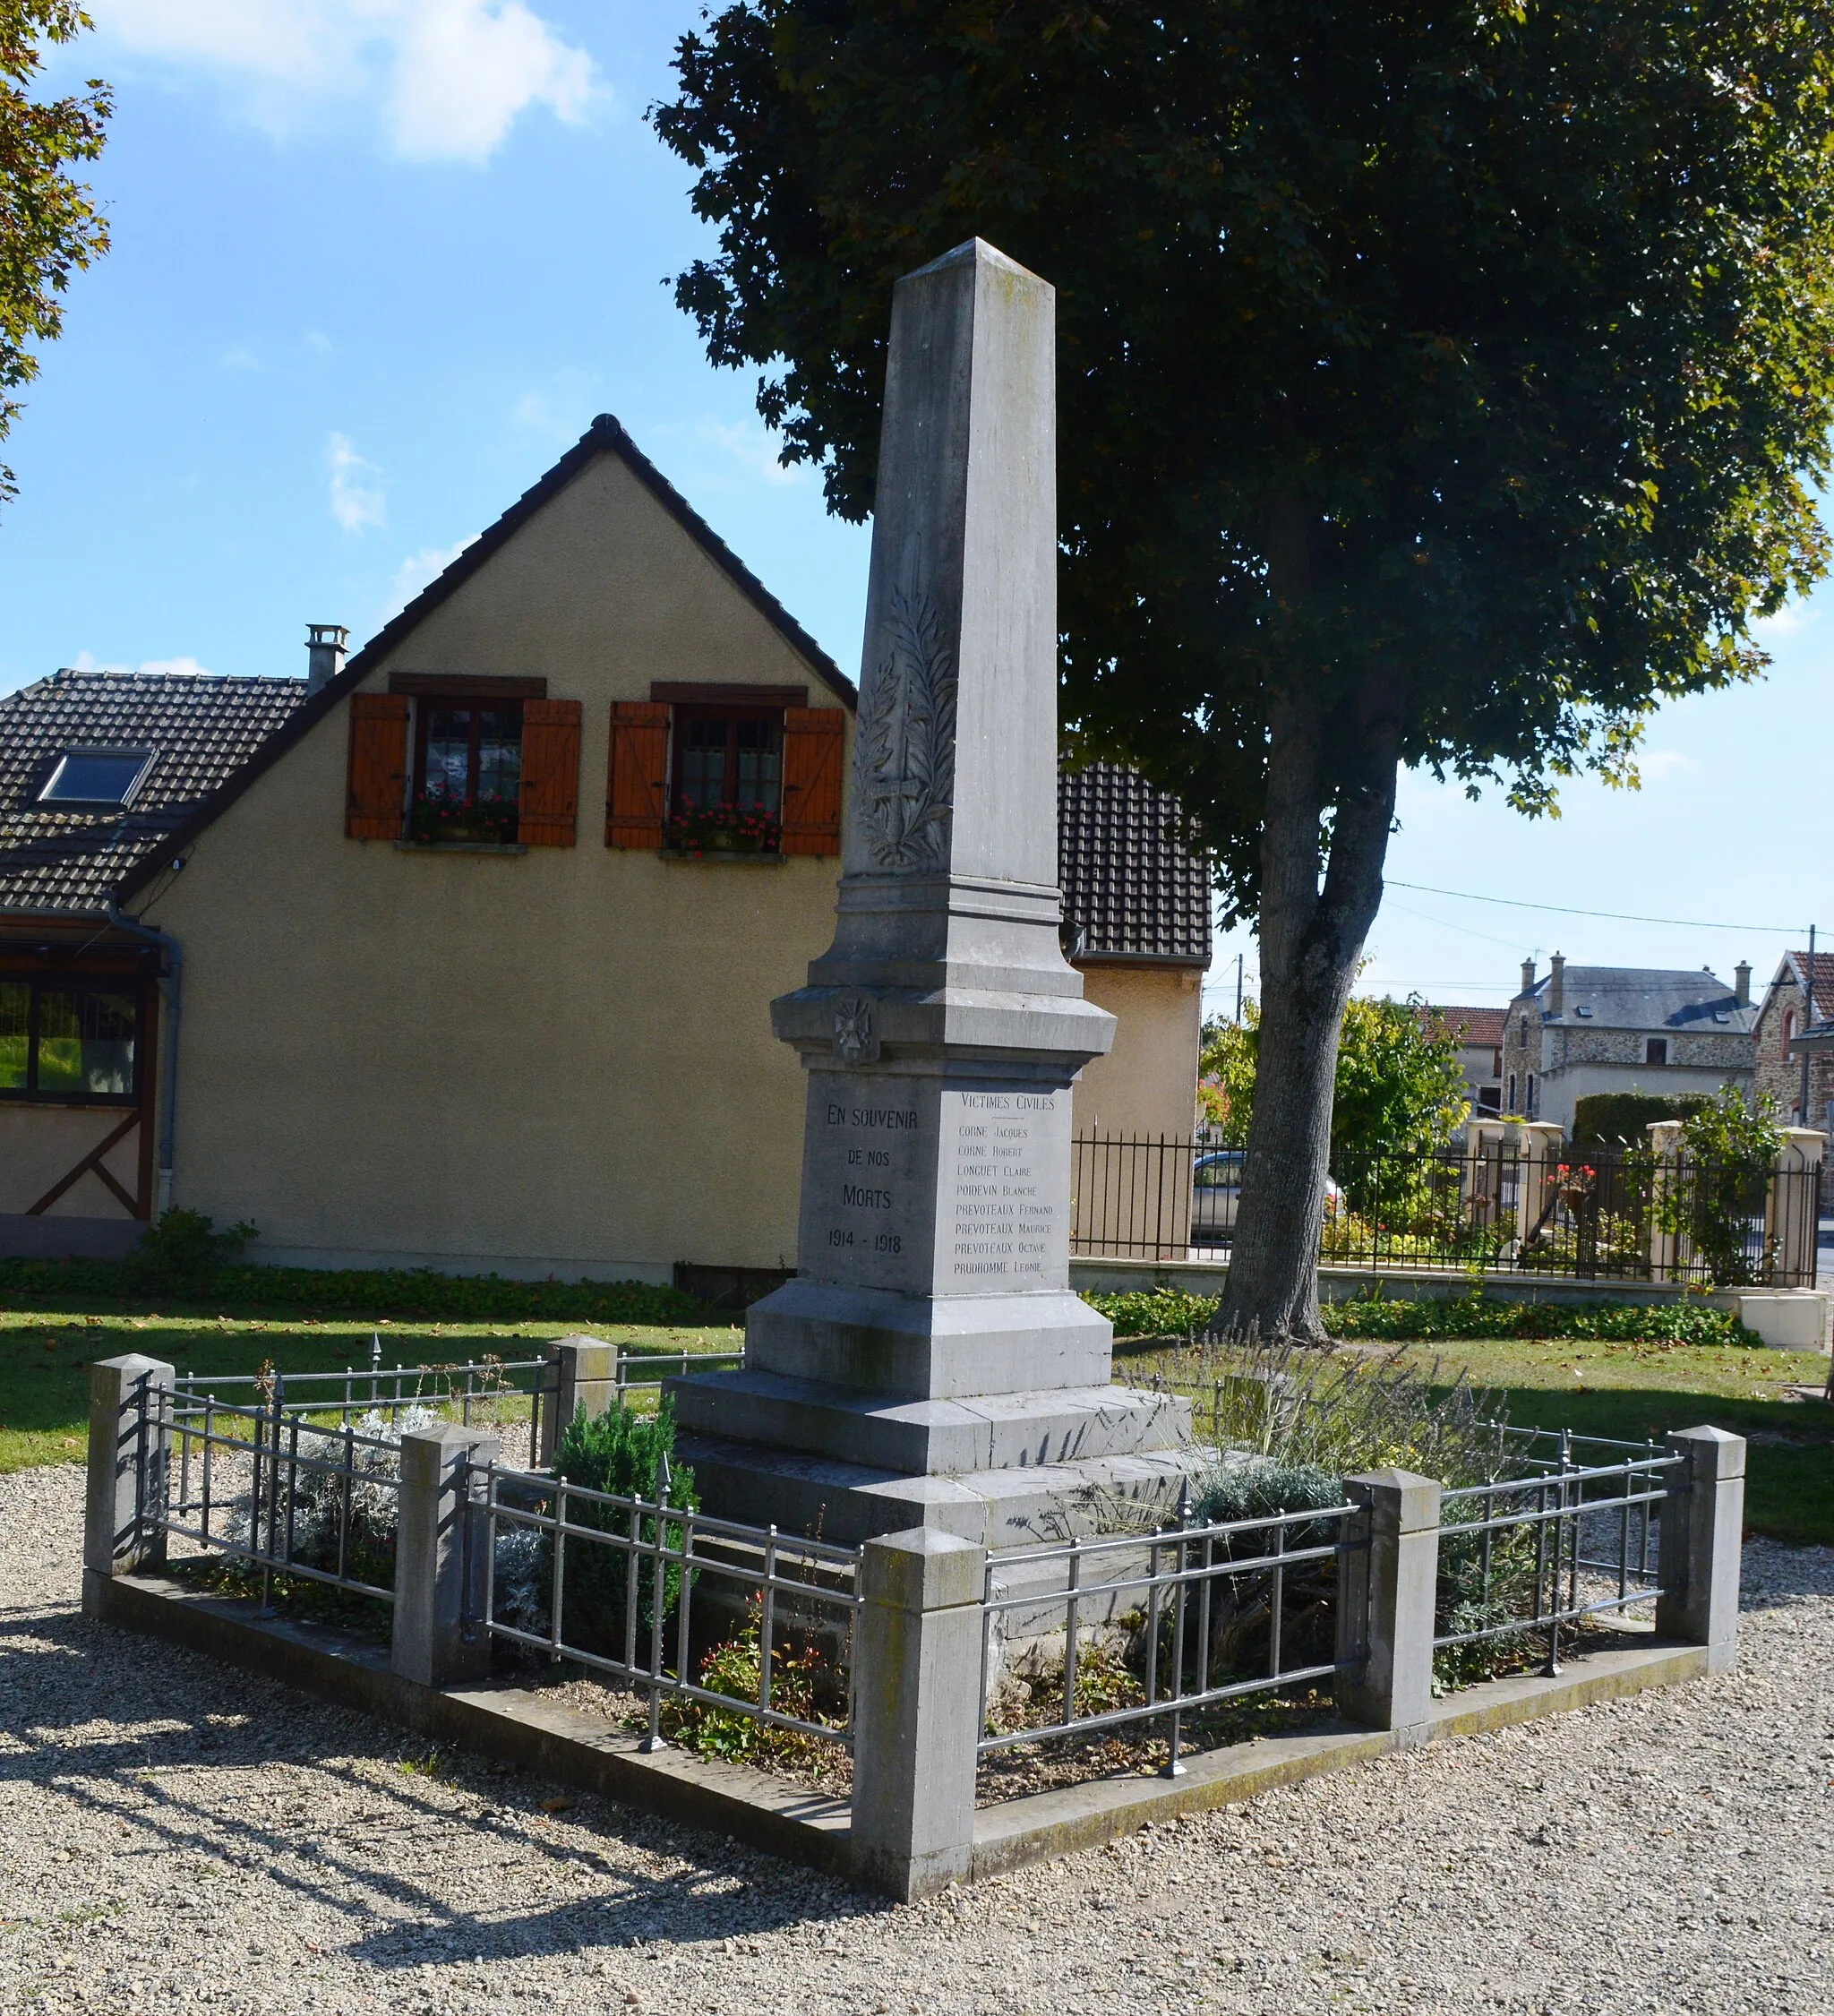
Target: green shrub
x=1605 y=1118
x=1166 y=1312
x=184 y=1253
x=803 y=1683
x=369 y=1294
x=622 y=1455
x=1154 y=1312
x=1431 y=1317
x=1730 y=1149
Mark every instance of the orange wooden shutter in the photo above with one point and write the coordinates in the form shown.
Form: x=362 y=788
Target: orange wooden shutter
x=550 y=773
x=637 y=773
x=812 y=742
x=378 y=779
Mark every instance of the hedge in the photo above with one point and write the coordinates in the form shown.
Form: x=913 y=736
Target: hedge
x=368 y=1294
x=1165 y=1312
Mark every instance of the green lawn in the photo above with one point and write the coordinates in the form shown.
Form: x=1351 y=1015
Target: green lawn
x=1633 y=1391
x=1630 y=1391
x=45 y=1355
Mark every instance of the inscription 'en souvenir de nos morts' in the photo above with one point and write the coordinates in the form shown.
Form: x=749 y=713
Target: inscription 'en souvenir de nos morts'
x=907 y=742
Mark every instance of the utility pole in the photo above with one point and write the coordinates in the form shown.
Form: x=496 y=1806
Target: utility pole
x=1808 y=1023
x=1239 y=987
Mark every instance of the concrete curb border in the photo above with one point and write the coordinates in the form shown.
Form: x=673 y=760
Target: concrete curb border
x=808 y=1827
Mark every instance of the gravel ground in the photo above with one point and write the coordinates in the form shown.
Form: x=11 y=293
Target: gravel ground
x=176 y=1835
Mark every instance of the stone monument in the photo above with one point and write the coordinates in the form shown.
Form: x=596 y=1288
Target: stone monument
x=929 y=1365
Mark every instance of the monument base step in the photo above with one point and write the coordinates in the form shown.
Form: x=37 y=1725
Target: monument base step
x=931 y=1437
x=1025 y=1505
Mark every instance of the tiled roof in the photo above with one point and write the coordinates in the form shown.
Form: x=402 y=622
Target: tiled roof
x=1132 y=890
x=1644 y=998
x=200 y=729
x=1473 y=1026
x=1823 y=988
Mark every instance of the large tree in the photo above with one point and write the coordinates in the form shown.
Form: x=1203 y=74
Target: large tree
x=1440 y=384
x=49 y=225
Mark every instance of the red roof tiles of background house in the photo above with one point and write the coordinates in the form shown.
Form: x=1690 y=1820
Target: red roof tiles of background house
x=1473 y=1026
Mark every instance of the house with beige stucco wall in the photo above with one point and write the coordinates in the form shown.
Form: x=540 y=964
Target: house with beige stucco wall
x=360 y=959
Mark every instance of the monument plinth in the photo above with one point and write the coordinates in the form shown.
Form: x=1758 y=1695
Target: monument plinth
x=929 y=1364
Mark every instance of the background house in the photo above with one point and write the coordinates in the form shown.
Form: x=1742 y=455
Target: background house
x=1137 y=926
x=98 y=771
x=1790 y=1007
x=1479 y=1034
x=1580 y=1030
x=396 y=1000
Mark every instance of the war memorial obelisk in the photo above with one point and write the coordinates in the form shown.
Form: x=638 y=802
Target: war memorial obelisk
x=929 y=1364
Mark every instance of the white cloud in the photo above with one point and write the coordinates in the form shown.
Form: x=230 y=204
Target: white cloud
x=1662 y=763
x=355 y=504
x=558 y=411
x=449 y=78
x=185 y=666
x=419 y=568
x=756 y=448
x=1793 y=617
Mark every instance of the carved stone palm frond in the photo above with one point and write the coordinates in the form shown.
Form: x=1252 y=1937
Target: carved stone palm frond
x=907 y=752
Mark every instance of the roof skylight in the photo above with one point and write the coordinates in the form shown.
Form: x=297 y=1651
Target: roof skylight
x=96 y=777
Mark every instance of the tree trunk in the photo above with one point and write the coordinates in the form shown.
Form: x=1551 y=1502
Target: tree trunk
x=1311 y=942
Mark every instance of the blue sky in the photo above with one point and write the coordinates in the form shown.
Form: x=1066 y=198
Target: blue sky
x=378 y=261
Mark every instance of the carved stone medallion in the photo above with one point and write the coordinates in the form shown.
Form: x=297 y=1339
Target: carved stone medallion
x=907 y=743
x=856 y=1030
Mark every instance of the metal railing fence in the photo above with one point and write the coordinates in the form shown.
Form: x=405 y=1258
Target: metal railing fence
x=1571 y=1541
x=466 y=1390
x=1497 y=1206
x=610 y=1582
x=1200 y=1608
x=264 y=1485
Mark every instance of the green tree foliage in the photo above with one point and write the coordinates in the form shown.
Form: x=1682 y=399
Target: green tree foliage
x=1438 y=384
x=1729 y=1150
x=49 y=224
x=1398 y=1083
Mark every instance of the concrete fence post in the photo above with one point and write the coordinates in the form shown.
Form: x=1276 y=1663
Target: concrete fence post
x=1700 y=1536
x=1670 y=1250
x=1384 y=1618
x=431 y=1558
x=129 y=1445
x=584 y=1380
x=1791 y=1198
x=916 y=1708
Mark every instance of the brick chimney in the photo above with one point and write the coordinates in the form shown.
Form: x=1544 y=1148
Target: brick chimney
x=1742 y=983
x=1527 y=977
x=324 y=654
x=1556 y=984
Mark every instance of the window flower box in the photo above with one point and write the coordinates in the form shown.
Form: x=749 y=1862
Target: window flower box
x=696 y=830
x=445 y=818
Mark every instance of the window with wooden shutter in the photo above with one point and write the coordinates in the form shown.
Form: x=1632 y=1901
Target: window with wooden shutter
x=378 y=778
x=550 y=773
x=636 y=782
x=812 y=744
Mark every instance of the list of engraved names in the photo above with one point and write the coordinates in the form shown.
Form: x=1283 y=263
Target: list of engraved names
x=1003 y=1215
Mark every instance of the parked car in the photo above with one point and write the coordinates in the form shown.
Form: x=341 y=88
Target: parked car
x=1216 y=1189
x=1216 y=1192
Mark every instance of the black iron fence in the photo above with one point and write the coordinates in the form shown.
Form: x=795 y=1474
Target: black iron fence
x=1497 y=1206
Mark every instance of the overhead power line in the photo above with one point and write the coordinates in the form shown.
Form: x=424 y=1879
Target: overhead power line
x=1616 y=916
